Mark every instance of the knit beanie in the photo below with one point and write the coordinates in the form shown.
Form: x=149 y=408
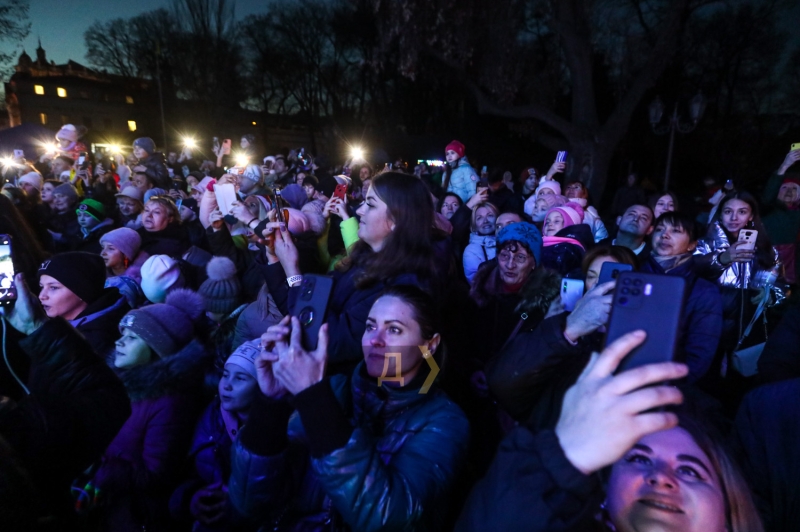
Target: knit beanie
x=457 y=147
x=245 y=357
x=83 y=274
x=298 y=222
x=93 y=208
x=571 y=212
x=552 y=184
x=67 y=190
x=295 y=196
x=131 y=192
x=313 y=211
x=145 y=143
x=68 y=132
x=253 y=173
x=125 y=239
x=222 y=290
x=202 y=186
x=160 y=275
x=525 y=233
x=34 y=179
x=166 y=327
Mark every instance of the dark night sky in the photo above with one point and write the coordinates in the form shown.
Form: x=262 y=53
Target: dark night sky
x=61 y=24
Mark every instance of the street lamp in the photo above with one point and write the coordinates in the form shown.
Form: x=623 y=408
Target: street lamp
x=697 y=106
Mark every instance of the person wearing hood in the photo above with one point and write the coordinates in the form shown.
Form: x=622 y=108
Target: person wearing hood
x=459 y=176
x=295 y=196
x=94 y=224
x=481 y=245
x=781 y=213
x=576 y=192
x=63 y=221
x=73 y=287
x=121 y=253
x=151 y=163
x=162 y=366
x=566 y=238
x=202 y=499
x=68 y=140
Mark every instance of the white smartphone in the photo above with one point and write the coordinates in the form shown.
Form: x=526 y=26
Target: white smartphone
x=748 y=236
x=226 y=196
x=571 y=292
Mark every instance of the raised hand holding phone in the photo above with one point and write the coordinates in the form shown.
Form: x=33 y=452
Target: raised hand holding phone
x=26 y=315
x=296 y=368
x=621 y=401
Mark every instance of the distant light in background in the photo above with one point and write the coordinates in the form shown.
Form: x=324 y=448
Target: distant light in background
x=38 y=89
x=254 y=122
x=431 y=162
x=132 y=125
x=357 y=152
x=62 y=92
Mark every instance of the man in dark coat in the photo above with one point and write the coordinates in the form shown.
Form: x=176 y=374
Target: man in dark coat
x=69 y=409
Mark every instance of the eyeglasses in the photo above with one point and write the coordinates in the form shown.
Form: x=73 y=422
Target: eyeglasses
x=505 y=256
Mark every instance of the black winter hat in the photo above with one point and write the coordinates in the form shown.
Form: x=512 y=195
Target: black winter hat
x=84 y=274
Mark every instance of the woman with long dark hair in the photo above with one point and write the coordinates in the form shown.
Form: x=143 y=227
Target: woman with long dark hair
x=395 y=247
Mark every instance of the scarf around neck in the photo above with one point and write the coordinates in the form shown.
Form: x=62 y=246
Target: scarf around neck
x=672 y=262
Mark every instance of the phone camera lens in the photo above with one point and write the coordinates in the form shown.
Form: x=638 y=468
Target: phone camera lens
x=626 y=281
x=637 y=282
x=623 y=300
x=306 y=317
x=625 y=291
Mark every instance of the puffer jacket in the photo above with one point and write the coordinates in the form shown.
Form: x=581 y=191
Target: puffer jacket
x=463 y=180
x=75 y=407
x=140 y=468
x=156 y=170
x=737 y=274
x=392 y=470
x=480 y=249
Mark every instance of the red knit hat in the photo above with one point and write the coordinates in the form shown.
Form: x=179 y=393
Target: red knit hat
x=456 y=147
x=791 y=179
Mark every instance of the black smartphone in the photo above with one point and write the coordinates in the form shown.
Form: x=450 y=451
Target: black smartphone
x=652 y=303
x=8 y=291
x=310 y=307
x=611 y=270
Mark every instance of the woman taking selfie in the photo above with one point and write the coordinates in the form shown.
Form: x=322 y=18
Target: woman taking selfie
x=674 y=240
x=374 y=450
x=395 y=247
x=668 y=473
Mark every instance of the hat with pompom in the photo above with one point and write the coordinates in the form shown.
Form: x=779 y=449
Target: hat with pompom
x=222 y=291
x=166 y=327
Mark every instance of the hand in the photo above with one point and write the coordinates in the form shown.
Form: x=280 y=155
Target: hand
x=139 y=169
x=791 y=158
x=601 y=417
x=591 y=312
x=286 y=251
x=267 y=382
x=555 y=168
x=296 y=368
x=269 y=240
x=734 y=254
x=240 y=212
x=26 y=314
x=340 y=208
x=479 y=197
x=209 y=505
x=479 y=384
x=216 y=219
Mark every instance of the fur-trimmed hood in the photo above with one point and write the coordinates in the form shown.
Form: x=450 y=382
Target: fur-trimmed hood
x=541 y=288
x=181 y=372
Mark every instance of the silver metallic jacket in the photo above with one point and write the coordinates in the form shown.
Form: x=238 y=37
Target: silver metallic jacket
x=737 y=274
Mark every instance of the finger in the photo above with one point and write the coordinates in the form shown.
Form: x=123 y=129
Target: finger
x=266 y=357
x=636 y=378
x=296 y=334
x=655 y=422
x=604 y=288
x=322 y=343
x=613 y=354
x=650 y=398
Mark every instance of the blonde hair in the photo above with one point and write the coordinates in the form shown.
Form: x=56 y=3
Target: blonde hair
x=473 y=225
x=167 y=203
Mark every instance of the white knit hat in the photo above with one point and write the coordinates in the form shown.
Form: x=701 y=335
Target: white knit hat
x=33 y=178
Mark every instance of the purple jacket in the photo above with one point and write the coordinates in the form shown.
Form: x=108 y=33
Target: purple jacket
x=140 y=468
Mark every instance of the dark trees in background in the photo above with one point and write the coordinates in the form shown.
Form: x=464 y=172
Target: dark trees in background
x=14 y=26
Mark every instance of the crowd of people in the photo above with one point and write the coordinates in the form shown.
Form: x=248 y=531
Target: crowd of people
x=160 y=381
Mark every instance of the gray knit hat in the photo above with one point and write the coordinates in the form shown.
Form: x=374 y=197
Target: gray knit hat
x=146 y=143
x=166 y=327
x=125 y=239
x=67 y=190
x=222 y=291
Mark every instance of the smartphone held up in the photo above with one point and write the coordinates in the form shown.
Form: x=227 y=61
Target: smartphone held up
x=8 y=291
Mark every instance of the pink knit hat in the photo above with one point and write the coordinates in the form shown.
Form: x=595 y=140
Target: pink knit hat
x=457 y=147
x=552 y=184
x=298 y=222
x=571 y=212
